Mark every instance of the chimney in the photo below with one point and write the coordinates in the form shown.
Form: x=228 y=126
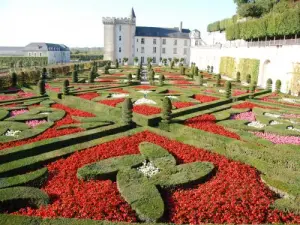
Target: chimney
x=180 y=27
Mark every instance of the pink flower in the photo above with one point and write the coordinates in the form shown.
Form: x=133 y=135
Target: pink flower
x=290 y=116
x=33 y=123
x=278 y=139
x=249 y=116
x=18 y=112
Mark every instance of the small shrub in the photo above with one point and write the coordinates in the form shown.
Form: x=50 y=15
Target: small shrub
x=248 y=78
x=196 y=71
x=127 y=111
x=66 y=90
x=22 y=81
x=14 y=79
x=278 y=86
x=172 y=64
x=238 y=77
x=218 y=82
x=183 y=70
x=42 y=88
x=269 y=84
x=228 y=89
x=252 y=89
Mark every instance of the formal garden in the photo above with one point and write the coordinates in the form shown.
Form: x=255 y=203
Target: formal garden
x=101 y=143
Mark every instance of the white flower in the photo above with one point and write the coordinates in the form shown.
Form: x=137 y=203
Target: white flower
x=119 y=95
x=226 y=78
x=143 y=101
x=256 y=124
x=222 y=91
x=290 y=100
x=245 y=84
x=125 y=81
x=293 y=129
x=156 y=76
x=274 y=122
x=205 y=84
x=172 y=97
x=12 y=133
x=272 y=115
x=148 y=169
x=145 y=91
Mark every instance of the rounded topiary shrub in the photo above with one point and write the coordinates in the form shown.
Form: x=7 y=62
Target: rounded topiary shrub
x=75 y=76
x=248 y=78
x=278 y=86
x=14 y=79
x=228 y=89
x=238 y=77
x=269 y=84
x=218 y=81
x=42 y=88
x=66 y=84
x=166 y=111
x=127 y=111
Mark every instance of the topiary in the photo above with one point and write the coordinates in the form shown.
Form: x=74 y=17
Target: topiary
x=106 y=69
x=91 y=76
x=117 y=64
x=269 y=84
x=66 y=84
x=22 y=81
x=183 y=70
x=196 y=71
x=172 y=64
x=14 y=79
x=161 y=79
x=248 y=78
x=138 y=73
x=129 y=78
x=75 y=76
x=211 y=69
x=238 y=77
x=228 y=89
x=42 y=88
x=200 y=79
x=127 y=111
x=166 y=111
x=218 y=82
x=44 y=73
x=208 y=68
x=252 y=89
x=278 y=86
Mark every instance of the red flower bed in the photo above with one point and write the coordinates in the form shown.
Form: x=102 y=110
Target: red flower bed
x=146 y=110
x=49 y=87
x=210 y=91
x=88 y=96
x=117 y=74
x=7 y=97
x=181 y=82
x=52 y=132
x=207 y=123
x=144 y=87
x=269 y=98
x=19 y=94
x=235 y=194
x=118 y=90
x=172 y=92
x=106 y=80
x=112 y=102
x=205 y=98
x=180 y=105
x=249 y=105
x=175 y=77
x=239 y=92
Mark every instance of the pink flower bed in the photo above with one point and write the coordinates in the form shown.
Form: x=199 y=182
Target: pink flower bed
x=34 y=123
x=290 y=116
x=22 y=94
x=6 y=98
x=210 y=91
x=278 y=139
x=249 y=116
x=18 y=112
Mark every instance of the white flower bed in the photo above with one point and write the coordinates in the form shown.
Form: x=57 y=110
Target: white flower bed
x=272 y=115
x=119 y=95
x=145 y=82
x=171 y=97
x=156 y=76
x=274 y=122
x=148 y=169
x=12 y=133
x=145 y=91
x=205 y=84
x=222 y=91
x=226 y=78
x=256 y=124
x=245 y=84
x=293 y=121
x=293 y=129
x=143 y=101
x=290 y=100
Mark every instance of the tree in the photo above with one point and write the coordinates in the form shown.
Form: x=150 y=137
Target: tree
x=164 y=61
x=42 y=88
x=172 y=64
x=149 y=60
x=181 y=60
x=252 y=89
x=176 y=60
x=166 y=111
x=117 y=64
x=66 y=90
x=127 y=111
x=106 y=69
x=228 y=89
x=196 y=71
x=208 y=68
x=250 y=10
x=22 y=79
x=278 y=86
x=125 y=60
x=212 y=69
x=75 y=76
x=269 y=84
x=138 y=74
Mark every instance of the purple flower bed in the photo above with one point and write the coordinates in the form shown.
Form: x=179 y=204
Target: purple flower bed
x=249 y=116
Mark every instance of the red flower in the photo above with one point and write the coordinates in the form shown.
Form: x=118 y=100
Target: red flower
x=144 y=87
x=49 y=87
x=180 y=105
x=246 y=105
x=181 y=82
x=239 y=92
x=205 y=98
x=106 y=80
x=88 y=96
x=207 y=123
x=112 y=102
x=146 y=110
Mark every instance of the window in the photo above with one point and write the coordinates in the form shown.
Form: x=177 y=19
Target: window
x=35 y=54
x=154 y=49
x=137 y=50
x=120 y=28
x=120 y=38
x=142 y=59
x=164 y=41
x=143 y=50
x=163 y=50
x=175 y=42
x=40 y=54
x=143 y=40
x=120 y=49
x=137 y=40
x=185 y=42
x=154 y=60
x=120 y=60
x=174 y=50
x=185 y=51
x=29 y=53
x=196 y=43
x=154 y=41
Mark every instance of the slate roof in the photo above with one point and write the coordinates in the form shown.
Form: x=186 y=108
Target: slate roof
x=11 y=51
x=162 y=32
x=40 y=46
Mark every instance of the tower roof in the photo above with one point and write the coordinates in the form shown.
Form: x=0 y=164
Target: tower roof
x=132 y=14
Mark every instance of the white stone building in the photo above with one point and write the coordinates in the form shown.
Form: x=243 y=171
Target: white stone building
x=56 y=53
x=123 y=39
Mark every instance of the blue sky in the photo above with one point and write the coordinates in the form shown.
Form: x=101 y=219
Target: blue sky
x=79 y=22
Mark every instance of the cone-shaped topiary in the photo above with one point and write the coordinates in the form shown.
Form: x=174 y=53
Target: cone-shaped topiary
x=196 y=71
x=218 y=82
x=138 y=74
x=248 y=78
x=269 y=84
x=14 y=79
x=66 y=90
x=117 y=64
x=106 y=69
x=44 y=73
x=252 y=89
x=208 y=68
x=129 y=78
x=91 y=76
x=200 y=79
x=161 y=79
x=228 y=89
x=183 y=70
x=238 y=77
x=166 y=111
x=278 y=86
x=22 y=79
x=172 y=64
x=127 y=111
x=75 y=76
x=211 y=69
x=42 y=88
